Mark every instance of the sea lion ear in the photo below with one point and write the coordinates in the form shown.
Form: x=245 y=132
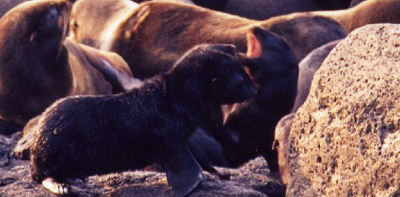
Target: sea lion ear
x=254 y=46
x=135 y=19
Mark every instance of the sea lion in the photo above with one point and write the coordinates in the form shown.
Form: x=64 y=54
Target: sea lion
x=37 y=66
x=365 y=12
x=101 y=20
x=246 y=130
x=155 y=34
x=252 y=122
x=72 y=133
x=180 y=17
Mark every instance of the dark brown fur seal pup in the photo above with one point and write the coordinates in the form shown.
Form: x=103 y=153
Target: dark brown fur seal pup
x=147 y=125
x=252 y=122
x=38 y=67
x=155 y=34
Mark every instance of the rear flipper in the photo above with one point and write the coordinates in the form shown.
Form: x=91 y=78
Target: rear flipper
x=183 y=172
x=55 y=187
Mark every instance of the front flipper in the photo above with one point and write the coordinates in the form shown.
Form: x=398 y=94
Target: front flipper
x=55 y=187
x=183 y=172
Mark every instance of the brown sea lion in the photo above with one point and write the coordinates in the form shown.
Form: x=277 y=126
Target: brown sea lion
x=366 y=12
x=155 y=34
x=38 y=67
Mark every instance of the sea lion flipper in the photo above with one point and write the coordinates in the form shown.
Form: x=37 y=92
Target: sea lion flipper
x=55 y=187
x=183 y=172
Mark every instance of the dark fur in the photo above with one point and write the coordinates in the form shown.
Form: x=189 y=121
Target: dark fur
x=155 y=34
x=247 y=129
x=87 y=135
x=7 y=5
x=307 y=68
x=214 y=5
x=355 y=2
x=38 y=66
x=151 y=47
x=253 y=122
x=264 y=9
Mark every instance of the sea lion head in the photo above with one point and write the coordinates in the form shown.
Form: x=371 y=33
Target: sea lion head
x=35 y=27
x=31 y=37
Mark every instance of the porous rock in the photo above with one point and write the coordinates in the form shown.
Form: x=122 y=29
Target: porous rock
x=345 y=139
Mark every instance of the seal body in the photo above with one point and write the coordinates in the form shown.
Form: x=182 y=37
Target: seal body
x=84 y=135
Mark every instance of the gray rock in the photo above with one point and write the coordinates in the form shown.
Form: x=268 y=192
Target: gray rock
x=345 y=139
x=252 y=179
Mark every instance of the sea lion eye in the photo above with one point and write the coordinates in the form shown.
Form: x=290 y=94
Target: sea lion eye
x=75 y=24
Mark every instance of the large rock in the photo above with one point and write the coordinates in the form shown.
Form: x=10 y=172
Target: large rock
x=252 y=179
x=345 y=139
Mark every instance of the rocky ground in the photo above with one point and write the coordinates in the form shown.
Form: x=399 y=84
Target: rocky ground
x=252 y=179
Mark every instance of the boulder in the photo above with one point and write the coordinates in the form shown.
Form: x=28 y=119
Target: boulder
x=345 y=139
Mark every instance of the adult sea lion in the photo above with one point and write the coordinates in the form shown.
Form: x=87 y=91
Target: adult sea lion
x=38 y=66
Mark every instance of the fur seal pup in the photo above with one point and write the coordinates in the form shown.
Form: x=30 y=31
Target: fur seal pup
x=252 y=122
x=38 y=66
x=246 y=130
x=85 y=135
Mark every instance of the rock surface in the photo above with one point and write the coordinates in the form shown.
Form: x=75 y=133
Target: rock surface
x=252 y=179
x=345 y=139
